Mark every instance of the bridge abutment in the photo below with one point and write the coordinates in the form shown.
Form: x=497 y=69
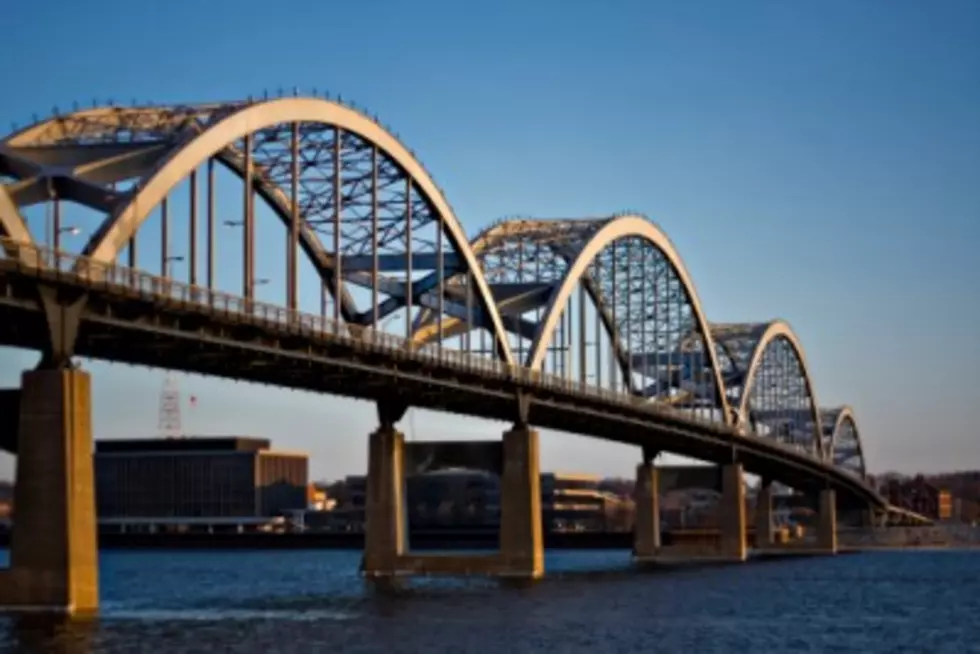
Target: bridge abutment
x=53 y=552
x=521 y=552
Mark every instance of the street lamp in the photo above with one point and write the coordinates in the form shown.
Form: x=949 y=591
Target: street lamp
x=69 y=230
x=168 y=264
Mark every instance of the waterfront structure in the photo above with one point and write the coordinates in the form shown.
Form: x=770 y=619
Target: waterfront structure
x=585 y=325
x=204 y=483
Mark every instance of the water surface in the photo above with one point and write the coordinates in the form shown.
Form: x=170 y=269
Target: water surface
x=313 y=601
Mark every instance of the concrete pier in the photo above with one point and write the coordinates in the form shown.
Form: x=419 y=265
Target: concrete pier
x=823 y=540
x=733 y=540
x=385 y=523
x=827 y=522
x=646 y=527
x=764 y=535
x=730 y=544
x=53 y=552
x=521 y=538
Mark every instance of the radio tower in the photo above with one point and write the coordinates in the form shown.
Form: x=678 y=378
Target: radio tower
x=168 y=423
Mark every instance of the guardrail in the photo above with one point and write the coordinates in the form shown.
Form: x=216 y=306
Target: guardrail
x=40 y=260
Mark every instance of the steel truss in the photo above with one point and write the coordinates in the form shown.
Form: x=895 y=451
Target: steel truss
x=842 y=440
x=768 y=380
x=629 y=280
x=604 y=301
x=354 y=199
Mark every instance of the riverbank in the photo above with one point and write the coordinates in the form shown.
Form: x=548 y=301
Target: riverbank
x=450 y=539
x=458 y=539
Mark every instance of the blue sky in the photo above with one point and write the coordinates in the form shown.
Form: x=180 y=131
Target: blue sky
x=818 y=162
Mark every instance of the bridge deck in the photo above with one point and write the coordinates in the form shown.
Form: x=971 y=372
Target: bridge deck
x=136 y=318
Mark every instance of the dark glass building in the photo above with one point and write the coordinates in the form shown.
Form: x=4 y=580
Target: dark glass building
x=188 y=481
x=470 y=499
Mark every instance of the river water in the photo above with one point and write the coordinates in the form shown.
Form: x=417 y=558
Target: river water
x=314 y=601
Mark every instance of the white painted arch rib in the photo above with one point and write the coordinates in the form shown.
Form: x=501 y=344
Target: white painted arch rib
x=841 y=417
x=616 y=228
x=774 y=331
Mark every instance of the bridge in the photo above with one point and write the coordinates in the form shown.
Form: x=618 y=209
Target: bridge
x=583 y=325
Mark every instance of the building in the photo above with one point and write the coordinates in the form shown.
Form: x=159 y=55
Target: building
x=919 y=496
x=196 y=483
x=318 y=499
x=572 y=502
x=470 y=499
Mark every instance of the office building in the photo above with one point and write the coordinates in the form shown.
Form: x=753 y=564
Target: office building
x=187 y=483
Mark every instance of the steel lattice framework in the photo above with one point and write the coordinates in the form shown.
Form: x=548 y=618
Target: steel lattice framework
x=769 y=382
x=604 y=301
x=842 y=439
x=643 y=301
x=347 y=189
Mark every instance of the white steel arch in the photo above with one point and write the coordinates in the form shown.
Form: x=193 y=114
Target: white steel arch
x=843 y=439
x=613 y=229
x=747 y=344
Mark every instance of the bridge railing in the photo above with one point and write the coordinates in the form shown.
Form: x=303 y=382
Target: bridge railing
x=112 y=276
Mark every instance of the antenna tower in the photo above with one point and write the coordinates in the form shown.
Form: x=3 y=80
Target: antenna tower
x=168 y=423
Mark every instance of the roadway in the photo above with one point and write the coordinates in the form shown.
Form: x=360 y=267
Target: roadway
x=133 y=317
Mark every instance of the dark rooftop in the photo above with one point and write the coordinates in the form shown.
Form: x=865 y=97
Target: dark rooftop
x=188 y=444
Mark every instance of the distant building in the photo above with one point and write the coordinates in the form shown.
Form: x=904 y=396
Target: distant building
x=470 y=499
x=317 y=499
x=919 y=496
x=196 y=483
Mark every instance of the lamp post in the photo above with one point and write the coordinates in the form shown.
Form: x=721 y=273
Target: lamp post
x=169 y=261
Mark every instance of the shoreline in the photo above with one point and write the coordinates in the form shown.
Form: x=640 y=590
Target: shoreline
x=430 y=540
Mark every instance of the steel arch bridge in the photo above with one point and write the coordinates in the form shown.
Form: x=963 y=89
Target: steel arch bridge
x=330 y=216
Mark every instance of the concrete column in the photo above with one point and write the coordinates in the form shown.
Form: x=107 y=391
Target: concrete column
x=53 y=550
x=827 y=522
x=521 y=540
x=733 y=545
x=646 y=527
x=384 y=537
x=763 y=517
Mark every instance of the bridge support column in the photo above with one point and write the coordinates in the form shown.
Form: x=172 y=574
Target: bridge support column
x=53 y=552
x=733 y=541
x=646 y=526
x=385 y=524
x=827 y=522
x=386 y=551
x=521 y=539
x=763 y=517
